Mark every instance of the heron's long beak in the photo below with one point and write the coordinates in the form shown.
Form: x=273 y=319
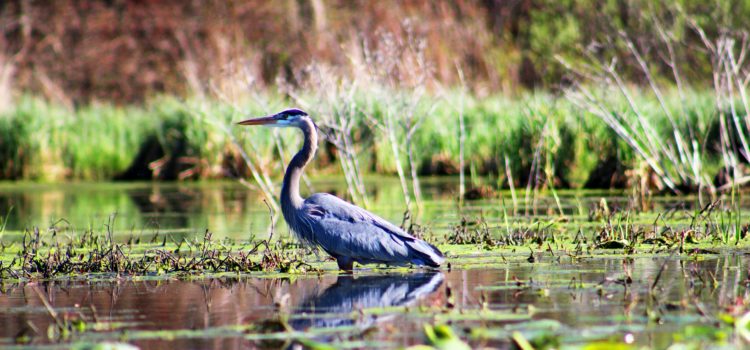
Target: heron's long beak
x=271 y=119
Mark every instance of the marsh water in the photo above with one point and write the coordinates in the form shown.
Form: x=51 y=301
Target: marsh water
x=554 y=299
x=232 y=210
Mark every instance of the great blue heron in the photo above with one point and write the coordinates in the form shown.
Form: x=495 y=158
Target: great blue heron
x=346 y=232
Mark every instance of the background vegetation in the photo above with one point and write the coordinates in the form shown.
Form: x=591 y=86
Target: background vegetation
x=541 y=94
x=125 y=51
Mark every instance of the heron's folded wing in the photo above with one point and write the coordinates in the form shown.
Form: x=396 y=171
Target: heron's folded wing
x=344 y=210
x=344 y=229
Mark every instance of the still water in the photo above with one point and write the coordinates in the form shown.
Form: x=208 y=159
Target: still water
x=485 y=297
x=232 y=210
x=573 y=303
x=228 y=209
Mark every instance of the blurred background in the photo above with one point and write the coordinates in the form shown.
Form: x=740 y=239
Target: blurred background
x=581 y=94
x=127 y=51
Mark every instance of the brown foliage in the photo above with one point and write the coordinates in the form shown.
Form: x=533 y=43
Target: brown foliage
x=75 y=51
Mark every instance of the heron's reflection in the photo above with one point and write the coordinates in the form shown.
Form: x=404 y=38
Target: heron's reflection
x=333 y=307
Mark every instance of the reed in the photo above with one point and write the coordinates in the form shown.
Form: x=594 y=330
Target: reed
x=546 y=139
x=662 y=122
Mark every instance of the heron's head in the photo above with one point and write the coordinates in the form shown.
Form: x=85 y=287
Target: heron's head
x=287 y=117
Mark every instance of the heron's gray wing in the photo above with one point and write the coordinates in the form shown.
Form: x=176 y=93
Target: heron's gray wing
x=343 y=229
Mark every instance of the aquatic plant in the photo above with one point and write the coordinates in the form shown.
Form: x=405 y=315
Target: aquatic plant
x=45 y=255
x=678 y=150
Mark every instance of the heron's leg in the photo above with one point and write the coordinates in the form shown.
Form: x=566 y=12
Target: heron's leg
x=346 y=264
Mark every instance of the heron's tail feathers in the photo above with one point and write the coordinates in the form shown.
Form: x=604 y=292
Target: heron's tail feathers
x=423 y=253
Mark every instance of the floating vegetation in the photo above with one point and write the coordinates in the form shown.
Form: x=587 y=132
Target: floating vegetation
x=50 y=255
x=60 y=251
x=630 y=230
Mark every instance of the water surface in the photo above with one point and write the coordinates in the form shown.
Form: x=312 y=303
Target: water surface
x=230 y=209
x=559 y=298
x=574 y=303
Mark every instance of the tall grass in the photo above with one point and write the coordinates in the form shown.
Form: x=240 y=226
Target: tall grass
x=102 y=140
x=664 y=122
x=43 y=141
x=547 y=140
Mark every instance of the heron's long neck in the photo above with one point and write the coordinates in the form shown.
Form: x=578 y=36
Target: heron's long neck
x=290 y=197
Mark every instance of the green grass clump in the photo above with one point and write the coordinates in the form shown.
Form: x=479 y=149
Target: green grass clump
x=43 y=141
x=104 y=140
